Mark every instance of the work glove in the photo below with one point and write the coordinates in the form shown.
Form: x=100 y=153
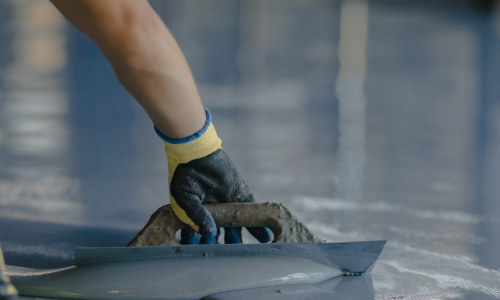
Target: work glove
x=7 y=290
x=199 y=172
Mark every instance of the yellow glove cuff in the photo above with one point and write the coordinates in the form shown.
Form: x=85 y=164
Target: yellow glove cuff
x=206 y=144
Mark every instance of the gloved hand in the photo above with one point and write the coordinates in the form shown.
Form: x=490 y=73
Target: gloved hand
x=201 y=172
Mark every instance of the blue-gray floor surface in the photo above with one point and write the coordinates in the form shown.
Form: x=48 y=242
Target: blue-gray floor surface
x=371 y=120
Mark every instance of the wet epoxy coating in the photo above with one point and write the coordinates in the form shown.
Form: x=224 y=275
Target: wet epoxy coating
x=169 y=278
x=385 y=127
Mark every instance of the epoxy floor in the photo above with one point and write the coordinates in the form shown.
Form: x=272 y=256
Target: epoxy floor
x=371 y=120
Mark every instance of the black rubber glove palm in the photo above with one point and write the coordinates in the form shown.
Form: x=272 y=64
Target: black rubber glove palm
x=201 y=172
x=211 y=179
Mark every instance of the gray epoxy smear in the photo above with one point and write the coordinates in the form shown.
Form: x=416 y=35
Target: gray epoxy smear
x=292 y=292
x=165 y=278
x=338 y=288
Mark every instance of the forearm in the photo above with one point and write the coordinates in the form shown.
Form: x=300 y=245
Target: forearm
x=146 y=58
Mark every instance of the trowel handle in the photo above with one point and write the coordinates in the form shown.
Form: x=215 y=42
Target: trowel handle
x=163 y=224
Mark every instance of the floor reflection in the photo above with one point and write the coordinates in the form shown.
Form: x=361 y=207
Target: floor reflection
x=352 y=100
x=34 y=180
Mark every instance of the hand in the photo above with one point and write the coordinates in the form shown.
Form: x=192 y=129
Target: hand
x=201 y=172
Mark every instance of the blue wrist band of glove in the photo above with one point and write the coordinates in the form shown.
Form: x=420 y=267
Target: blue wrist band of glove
x=189 y=138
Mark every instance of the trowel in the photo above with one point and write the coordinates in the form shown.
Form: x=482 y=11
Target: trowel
x=154 y=265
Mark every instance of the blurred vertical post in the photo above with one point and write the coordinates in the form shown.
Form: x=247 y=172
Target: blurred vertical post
x=253 y=42
x=487 y=189
x=352 y=100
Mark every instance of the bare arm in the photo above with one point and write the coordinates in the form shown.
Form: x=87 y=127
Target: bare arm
x=145 y=57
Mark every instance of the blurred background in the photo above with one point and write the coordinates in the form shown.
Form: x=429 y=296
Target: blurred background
x=369 y=119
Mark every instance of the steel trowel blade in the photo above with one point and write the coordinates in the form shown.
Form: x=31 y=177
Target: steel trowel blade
x=350 y=257
x=193 y=272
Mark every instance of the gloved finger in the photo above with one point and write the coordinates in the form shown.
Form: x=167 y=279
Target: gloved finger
x=232 y=235
x=189 y=236
x=198 y=214
x=211 y=238
x=262 y=234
